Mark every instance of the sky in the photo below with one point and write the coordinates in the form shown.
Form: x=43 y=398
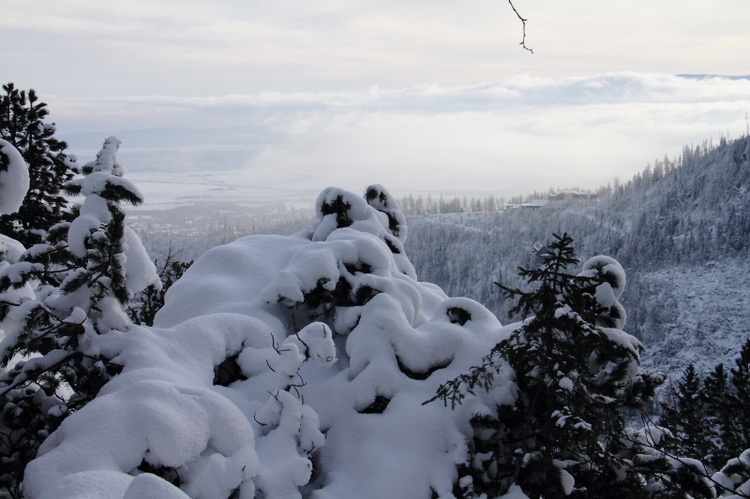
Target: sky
x=274 y=98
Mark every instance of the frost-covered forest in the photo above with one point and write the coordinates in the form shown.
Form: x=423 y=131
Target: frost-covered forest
x=325 y=364
x=679 y=228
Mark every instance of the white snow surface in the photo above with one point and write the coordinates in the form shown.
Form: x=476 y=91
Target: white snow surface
x=14 y=178
x=326 y=398
x=707 y=306
x=10 y=251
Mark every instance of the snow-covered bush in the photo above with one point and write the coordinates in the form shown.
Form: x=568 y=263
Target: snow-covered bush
x=283 y=367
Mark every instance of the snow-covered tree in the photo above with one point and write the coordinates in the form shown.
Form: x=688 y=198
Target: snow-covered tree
x=77 y=285
x=720 y=419
x=22 y=124
x=299 y=366
x=14 y=182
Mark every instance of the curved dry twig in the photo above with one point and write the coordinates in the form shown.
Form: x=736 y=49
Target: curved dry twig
x=523 y=23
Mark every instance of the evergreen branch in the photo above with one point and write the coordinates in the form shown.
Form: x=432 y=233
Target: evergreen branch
x=651 y=445
x=31 y=371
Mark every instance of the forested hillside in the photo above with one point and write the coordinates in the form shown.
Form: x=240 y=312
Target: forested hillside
x=679 y=228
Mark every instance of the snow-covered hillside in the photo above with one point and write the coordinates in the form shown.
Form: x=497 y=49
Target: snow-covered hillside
x=679 y=228
x=696 y=314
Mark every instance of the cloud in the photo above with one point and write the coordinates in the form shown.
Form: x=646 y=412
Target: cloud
x=514 y=92
x=506 y=137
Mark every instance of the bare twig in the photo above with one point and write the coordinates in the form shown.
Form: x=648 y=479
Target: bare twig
x=256 y=420
x=523 y=23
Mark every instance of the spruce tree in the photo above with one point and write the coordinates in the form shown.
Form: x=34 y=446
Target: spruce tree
x=685 y=415
x=720 y=417
x=575 y=372
x=22 y=124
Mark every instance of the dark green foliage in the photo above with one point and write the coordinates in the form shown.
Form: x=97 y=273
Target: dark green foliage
x=685 y=416
x=378 y=198
x=720 y=420
x=378 y=406
x=340 y=208
x=740 y=401
x=144 y=306
x=22 y=124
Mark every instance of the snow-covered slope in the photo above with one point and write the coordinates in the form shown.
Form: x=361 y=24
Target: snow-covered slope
x=701 y=315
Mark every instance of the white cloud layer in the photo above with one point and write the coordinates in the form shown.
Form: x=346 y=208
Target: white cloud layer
x=508 y=137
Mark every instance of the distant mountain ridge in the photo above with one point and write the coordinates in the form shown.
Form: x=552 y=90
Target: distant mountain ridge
x=680 y=228
x=703 y=76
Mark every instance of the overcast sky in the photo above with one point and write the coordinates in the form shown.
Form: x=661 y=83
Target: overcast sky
x=418 y=95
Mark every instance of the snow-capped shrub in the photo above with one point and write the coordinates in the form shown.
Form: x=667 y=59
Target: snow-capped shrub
x=287 y=366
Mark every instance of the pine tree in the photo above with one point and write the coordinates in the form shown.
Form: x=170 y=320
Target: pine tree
x=83 y=290
x=22 y=124
x=720 y=417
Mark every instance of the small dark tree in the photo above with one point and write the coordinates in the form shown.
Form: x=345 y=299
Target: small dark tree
x=685 y=416
x=22 y=123
x=144 y=306
x=720 y=417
